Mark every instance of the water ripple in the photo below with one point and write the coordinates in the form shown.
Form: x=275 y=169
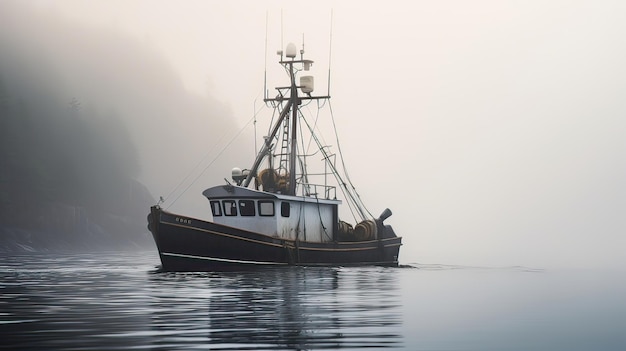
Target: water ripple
x=95 y=302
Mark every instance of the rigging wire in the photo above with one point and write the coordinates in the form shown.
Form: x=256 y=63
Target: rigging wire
x=353 y=203
x=303 y=164
x=202 y=160
x=274 y=109
x=347 y=187
x=319 y=212
x=345 y=170
x=255 y=138
x=306 y=152
x=304 y=179
x=317 y=116
x=210 y=163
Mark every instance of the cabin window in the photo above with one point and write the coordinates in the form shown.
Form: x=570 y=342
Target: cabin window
x=230 y=207
x=266 y=208
x=216 y=208
x=246 y=207
x=285 y=209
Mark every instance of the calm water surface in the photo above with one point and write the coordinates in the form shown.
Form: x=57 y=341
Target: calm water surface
x=119 y=301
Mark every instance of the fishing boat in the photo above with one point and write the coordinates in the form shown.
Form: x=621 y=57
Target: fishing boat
x=279 y=212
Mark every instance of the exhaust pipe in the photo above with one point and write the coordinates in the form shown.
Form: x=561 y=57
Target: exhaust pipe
x=386 y=214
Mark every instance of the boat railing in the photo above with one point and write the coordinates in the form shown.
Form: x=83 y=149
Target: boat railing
x=320 y=190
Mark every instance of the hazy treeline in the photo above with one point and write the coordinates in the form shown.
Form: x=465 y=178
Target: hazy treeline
x=68 y=166
x=88 y=116
x=51 y=151
x=66 y=171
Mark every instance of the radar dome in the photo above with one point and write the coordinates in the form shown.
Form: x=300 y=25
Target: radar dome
x=291 y=51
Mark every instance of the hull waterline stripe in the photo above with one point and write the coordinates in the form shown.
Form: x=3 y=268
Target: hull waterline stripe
x=222 y=259
x=345 y=264
x=281 y=246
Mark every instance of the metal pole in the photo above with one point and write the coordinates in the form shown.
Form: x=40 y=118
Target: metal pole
x=294 y=132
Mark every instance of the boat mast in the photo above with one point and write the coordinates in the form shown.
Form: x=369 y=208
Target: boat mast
x=293 y=102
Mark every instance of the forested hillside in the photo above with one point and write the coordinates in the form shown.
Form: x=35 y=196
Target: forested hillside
x=67 y=175
x=88 y=116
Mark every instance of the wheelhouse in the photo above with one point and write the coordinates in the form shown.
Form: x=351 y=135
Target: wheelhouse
x=282 y=216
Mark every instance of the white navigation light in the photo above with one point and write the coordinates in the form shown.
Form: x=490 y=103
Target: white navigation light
x=307 y=84
x=291 y=51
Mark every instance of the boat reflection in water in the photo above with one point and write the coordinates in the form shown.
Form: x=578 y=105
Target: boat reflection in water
x=291 y=308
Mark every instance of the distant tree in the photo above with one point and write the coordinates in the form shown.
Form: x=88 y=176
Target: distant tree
x=75 y=104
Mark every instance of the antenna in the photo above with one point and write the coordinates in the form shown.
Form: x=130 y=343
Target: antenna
x=330 y=49
x=265 y=69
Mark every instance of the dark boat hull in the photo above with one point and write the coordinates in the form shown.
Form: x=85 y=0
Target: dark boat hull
x=189 y=244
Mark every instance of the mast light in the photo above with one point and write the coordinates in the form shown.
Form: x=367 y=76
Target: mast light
x=307 y=84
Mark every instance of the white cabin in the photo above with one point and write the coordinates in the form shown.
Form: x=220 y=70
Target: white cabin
x=283 y=216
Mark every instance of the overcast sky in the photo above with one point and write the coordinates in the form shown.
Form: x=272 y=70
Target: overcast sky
x=494 y=130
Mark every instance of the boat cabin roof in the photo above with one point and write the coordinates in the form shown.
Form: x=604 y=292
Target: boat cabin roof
x=228 y=191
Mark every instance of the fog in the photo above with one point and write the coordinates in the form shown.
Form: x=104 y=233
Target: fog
x=108 y=72
x=493 y=130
